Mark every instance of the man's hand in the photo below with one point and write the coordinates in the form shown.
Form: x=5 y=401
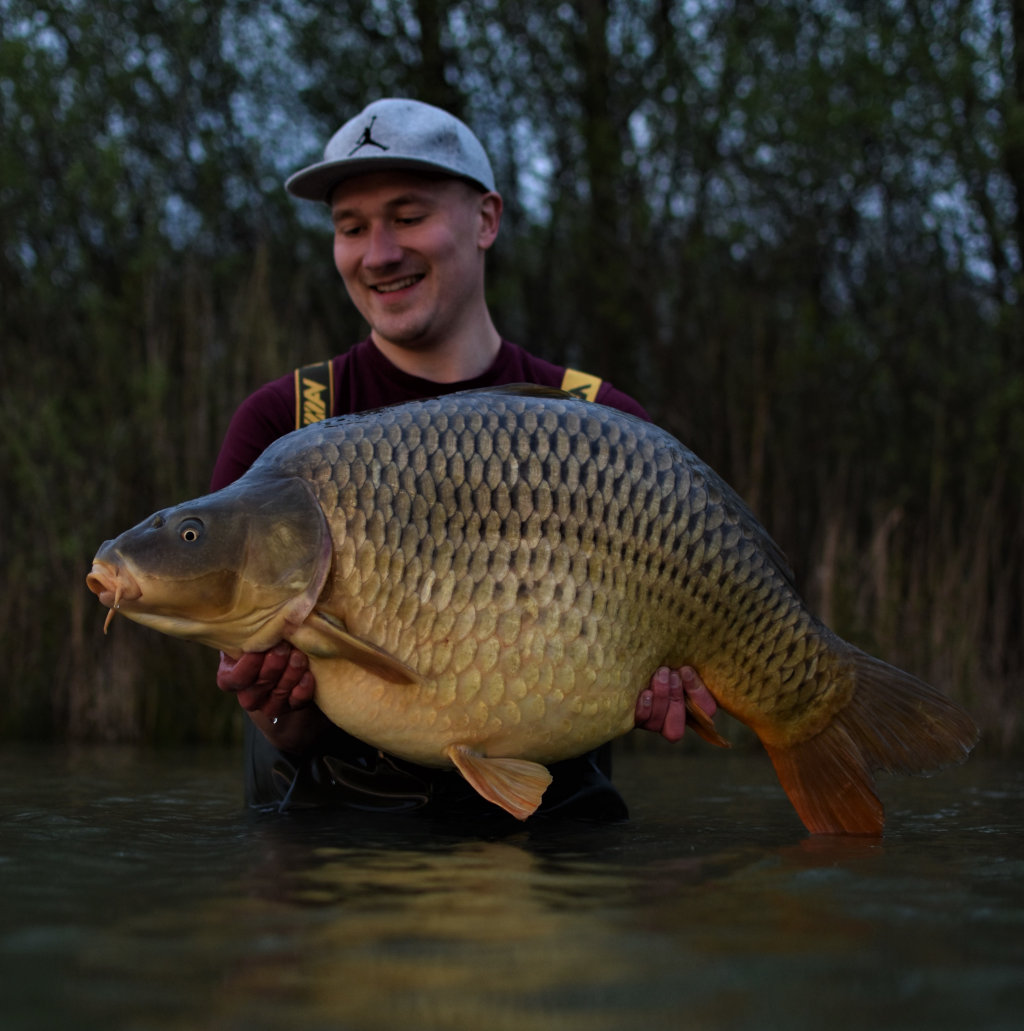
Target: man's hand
x=272 y=683
x=276 y=689
x=662 y=706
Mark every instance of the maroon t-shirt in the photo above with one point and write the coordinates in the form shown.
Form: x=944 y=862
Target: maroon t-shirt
x=364 y=379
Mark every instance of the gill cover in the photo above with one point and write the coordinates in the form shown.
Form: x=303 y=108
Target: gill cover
x=238 y=570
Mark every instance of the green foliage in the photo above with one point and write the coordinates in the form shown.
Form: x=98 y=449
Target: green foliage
x=793 y=230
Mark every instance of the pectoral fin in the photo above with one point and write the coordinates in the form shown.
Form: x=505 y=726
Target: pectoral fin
x=326 y=637
x=514 y=784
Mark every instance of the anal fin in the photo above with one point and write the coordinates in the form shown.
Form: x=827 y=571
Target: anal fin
x=516 y=785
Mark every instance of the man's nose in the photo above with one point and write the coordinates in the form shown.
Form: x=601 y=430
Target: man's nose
x=382 y=248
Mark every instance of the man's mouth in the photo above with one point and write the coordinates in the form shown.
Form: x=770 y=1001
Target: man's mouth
x=395 y=285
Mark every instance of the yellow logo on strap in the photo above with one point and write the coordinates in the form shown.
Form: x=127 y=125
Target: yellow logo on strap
x=314 y=393
x=581 y=384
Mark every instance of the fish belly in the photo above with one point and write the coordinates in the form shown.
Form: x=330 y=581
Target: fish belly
x=533 y=695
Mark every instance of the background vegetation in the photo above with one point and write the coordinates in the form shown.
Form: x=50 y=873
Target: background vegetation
x=792 y=229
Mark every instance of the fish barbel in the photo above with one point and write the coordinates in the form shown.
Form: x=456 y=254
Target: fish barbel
x=488 y=579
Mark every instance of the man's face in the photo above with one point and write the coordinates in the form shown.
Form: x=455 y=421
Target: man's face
x=410 y=250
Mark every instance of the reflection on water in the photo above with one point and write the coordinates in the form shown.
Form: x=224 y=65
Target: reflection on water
x=139 y=894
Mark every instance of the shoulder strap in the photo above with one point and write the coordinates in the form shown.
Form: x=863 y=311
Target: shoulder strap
x=581 y=384
x=314 y=393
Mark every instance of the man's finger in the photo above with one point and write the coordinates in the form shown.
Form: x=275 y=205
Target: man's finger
x=694 y=687
x=659 y=698
x=237 y=674
x=303 y=692
x=674 y=725
x=275 y=663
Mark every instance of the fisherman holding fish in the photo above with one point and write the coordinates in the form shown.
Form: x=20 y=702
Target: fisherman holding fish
x=480 y=577
x=412 y=198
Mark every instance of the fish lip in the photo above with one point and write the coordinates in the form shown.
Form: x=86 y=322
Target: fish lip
x=112 y=584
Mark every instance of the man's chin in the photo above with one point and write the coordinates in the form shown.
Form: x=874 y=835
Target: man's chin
x=405 y=338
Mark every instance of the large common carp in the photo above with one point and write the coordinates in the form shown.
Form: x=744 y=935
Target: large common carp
x=489 y=578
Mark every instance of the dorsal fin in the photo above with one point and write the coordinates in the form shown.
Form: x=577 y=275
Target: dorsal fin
x=525 y=390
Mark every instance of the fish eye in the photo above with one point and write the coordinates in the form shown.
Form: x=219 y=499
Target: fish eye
x=190 y=531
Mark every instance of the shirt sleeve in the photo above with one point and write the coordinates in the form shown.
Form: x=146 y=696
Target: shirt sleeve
x=262 y=418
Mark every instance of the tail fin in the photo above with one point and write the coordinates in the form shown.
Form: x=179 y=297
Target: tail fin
x=893 y=722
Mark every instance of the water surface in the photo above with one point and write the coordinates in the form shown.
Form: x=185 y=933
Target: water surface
x=139 y=894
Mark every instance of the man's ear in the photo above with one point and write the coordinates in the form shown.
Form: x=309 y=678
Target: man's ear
x=491 y=205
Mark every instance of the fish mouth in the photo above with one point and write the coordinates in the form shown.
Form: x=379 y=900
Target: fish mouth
x=112 y=585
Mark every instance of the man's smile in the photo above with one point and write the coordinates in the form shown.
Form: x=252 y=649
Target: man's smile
x=395 y=284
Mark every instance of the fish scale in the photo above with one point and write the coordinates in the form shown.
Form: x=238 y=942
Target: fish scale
x=501 y=571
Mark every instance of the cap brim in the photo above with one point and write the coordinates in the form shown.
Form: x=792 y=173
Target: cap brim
x=317 y=181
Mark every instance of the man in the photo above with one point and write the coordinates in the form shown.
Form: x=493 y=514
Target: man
x=412 y=198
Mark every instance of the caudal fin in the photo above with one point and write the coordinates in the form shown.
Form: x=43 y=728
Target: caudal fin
x=894 y=723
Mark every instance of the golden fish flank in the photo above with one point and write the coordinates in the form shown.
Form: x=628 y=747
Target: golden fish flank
x=504 y=570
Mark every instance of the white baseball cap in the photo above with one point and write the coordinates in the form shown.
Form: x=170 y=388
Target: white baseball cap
x=396 y=133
